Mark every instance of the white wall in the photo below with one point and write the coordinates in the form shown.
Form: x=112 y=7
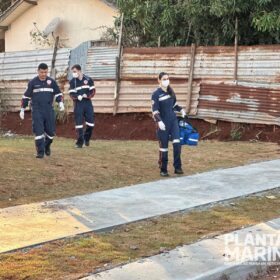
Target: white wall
x=81 y=21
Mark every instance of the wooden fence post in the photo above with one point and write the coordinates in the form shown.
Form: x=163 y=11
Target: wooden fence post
x=118 y=70
x=54 y=57
x=236 y=52
x=190 y=80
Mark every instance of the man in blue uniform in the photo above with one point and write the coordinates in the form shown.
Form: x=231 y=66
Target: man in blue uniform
x=42 y=91
x=82 y=89
x=164 y=106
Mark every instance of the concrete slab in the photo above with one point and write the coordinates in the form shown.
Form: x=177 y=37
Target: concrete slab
x=28 y=225
x=231 y=256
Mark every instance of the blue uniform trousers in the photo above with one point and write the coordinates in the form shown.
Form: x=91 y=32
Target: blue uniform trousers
x=43 y=124
x=84 y=111
x=171 y=133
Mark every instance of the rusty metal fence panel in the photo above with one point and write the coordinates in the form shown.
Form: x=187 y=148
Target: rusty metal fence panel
x=253 y=98
x=258 y=75
x=239 y=104
x=139 y=71
x=259 y=64
x=147 y=63
x=135 y=96
x=214 y=63
x=103 y=101
x=11 y=93
x=215 y=95
x=15 y=66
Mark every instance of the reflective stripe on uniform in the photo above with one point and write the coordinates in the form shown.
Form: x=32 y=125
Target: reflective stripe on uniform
x=82 y=87
x=90 y=124
x=72 y=90
x=175 y=105
x=43 y=89
x=93 y=87
x=25 y=97
x=79 y=126
x=164 y=98
x=176 y=141
x=163 y=150
x=40 y=137
x=50 y=137
x=59 y=94
x=191 y=139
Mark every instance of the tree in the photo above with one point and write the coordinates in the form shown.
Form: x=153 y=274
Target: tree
x=204 y=22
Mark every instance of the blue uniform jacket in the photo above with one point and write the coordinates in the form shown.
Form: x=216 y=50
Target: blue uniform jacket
x=81 y=87
x=164 y=106
x=41 y=94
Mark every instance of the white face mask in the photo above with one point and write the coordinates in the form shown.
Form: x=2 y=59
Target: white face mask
x=75 y=75
x=165 y=83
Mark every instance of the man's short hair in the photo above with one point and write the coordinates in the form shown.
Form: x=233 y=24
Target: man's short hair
x=76 y=66
x=43 y=66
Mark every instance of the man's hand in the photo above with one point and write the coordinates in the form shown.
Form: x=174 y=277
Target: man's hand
x=85 y=96
x=61 y=106
x=80 y=97
x=161 y=125
x=21 y=113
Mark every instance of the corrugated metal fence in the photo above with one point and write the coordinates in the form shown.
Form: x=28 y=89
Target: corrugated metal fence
x=101 y=63
x=17 y=66
x=139 y=71
x=101 y=66
x=203 y=78
x=214 y=93
x=98 y=63
x=253 y=98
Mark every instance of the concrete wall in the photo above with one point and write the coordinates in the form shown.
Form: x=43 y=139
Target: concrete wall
x=81 y=21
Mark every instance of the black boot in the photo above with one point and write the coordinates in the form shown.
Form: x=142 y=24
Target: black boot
x=179 y=171
x=40 y=156
x=48 y=150
x=164 y=174
x=78 y=145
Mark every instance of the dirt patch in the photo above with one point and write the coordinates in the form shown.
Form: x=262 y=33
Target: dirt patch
x=107 y=126
x=140 y=126
x=272 y=273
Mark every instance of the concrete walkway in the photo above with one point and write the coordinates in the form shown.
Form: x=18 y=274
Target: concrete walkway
x=33 y=224
x=231 y=256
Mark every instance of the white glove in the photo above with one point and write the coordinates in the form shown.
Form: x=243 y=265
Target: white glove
x=85 y=96
x=21 y=113
x=80 y=97
x=161 y=125
x=61 y=106
x=183 y=113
